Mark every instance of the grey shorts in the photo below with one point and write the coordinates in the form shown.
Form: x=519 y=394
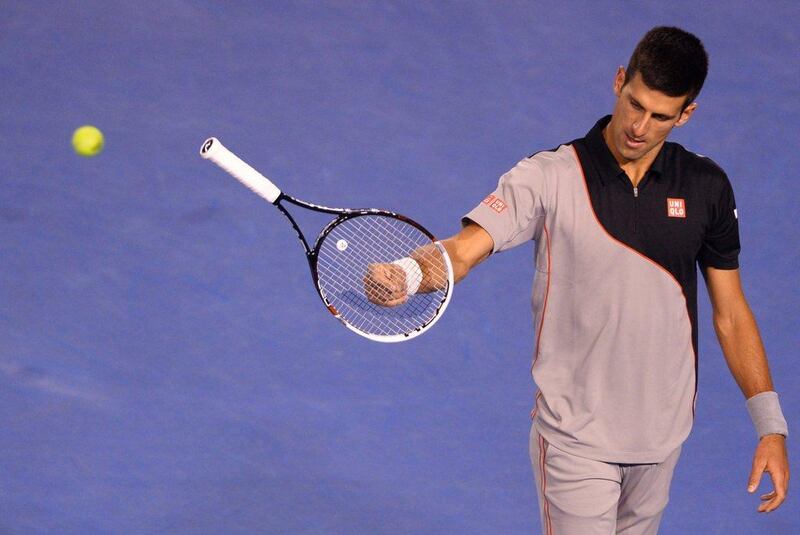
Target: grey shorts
x=586 y=497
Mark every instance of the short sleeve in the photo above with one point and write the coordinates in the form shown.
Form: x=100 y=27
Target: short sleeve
x=513 y=213
x=720 y=248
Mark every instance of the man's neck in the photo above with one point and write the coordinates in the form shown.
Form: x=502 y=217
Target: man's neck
x=635 y=169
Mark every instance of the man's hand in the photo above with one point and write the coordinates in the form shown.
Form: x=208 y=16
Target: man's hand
x=771 y=457
x=385 y=284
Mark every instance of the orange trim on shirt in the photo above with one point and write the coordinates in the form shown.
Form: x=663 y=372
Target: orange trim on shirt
x=659 y=266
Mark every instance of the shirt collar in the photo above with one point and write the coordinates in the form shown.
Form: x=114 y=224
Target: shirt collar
x=604 y=160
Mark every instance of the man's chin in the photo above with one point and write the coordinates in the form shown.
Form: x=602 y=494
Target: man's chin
x=630 y=154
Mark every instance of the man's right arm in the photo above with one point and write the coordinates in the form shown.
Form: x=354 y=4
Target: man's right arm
x=385 y=284
x=471 y=246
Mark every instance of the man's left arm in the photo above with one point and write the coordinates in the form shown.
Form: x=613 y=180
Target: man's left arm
x=744 y=352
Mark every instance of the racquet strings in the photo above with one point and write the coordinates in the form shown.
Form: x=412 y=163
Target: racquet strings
x=344 y=256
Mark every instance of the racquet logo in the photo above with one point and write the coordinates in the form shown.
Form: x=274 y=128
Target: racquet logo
x=495 y=203
x=676 y=208
x=207 y=146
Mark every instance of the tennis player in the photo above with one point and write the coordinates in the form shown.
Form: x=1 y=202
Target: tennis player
x=622 y=219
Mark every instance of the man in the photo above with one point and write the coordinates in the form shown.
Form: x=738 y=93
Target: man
x=621 y=220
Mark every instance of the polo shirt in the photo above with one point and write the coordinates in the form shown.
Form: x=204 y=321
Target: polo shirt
x=614 y=296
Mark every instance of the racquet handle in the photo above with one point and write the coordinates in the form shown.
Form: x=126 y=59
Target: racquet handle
x=215 y=151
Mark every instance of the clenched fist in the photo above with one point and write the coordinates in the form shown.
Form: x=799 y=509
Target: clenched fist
x=385 y=284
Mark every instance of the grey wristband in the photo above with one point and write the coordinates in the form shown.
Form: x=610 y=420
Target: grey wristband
x=765 y=411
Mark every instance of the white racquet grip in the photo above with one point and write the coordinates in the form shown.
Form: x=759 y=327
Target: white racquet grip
x=215 y=151
x=413 y=274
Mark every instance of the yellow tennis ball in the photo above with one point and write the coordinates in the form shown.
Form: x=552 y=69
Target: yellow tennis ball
x=87 y=140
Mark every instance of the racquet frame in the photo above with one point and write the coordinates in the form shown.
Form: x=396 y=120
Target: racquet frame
x=275 y=196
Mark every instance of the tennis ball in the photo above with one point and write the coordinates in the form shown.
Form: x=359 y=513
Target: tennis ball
x=87 y=140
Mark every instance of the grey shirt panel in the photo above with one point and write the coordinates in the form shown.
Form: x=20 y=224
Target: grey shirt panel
x=513 y=214
x=614 y=360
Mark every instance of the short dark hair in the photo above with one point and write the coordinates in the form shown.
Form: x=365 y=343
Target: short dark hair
x=670 y=60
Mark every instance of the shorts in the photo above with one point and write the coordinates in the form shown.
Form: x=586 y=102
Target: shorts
x=585 y=497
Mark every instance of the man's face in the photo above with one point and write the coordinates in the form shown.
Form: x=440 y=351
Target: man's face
x=642 y=118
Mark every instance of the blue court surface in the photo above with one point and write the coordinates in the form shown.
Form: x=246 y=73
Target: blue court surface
x=165 y=364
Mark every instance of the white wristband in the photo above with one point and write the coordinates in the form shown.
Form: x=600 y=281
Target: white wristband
x=413 y=274
x=765 y=411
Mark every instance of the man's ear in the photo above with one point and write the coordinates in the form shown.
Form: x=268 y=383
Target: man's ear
x=686 y=114
x=619 y=80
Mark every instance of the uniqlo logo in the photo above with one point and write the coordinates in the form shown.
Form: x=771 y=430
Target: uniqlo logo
x=495 y=203
x=676 y=208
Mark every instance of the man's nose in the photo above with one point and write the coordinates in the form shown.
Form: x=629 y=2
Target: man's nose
x=641 y=125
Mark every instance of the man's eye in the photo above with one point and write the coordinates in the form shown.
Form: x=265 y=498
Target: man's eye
x=636 y=105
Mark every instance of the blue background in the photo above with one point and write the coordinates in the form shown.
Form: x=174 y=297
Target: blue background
x=165 y=365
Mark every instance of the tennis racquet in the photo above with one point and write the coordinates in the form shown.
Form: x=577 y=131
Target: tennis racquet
x=352 y=245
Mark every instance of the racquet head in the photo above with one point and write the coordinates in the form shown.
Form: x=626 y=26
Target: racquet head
x=343 y=253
